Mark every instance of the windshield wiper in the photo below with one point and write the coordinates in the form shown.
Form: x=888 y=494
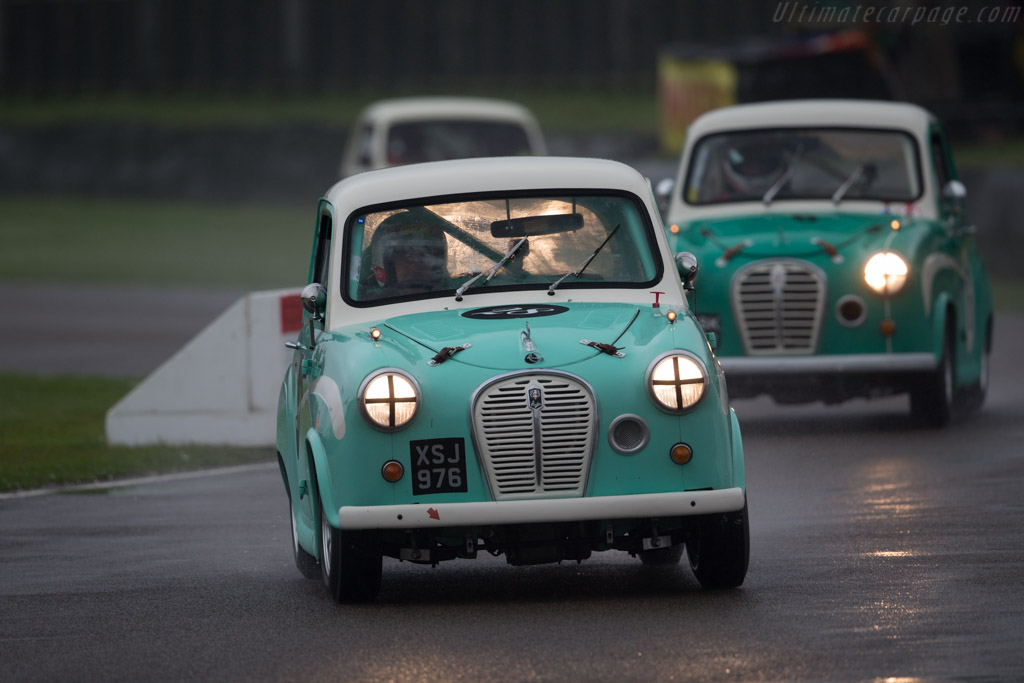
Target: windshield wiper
x=505 y=259
x=866 y=170
x=784 y=178
x=583 y=264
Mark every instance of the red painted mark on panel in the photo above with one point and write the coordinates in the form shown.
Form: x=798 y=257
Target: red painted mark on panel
x=433 y=514
x=291 y=314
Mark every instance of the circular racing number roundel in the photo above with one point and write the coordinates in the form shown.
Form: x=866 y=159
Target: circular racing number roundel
x=507 y=312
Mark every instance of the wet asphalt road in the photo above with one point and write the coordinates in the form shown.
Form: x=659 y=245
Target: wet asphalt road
x=128 y=331
x=878 y=552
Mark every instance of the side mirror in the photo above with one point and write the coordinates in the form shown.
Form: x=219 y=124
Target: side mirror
x=954 y=190
x=954 y=199
x=663 y=194
x=664 y=188
x=314 y=300
x=688 y=268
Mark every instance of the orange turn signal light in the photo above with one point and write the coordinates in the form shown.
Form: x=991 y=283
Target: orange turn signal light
x=392 y=471
x=887 y=327
x=681 y=453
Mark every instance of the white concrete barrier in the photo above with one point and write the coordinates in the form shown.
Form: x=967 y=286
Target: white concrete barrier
x=222 y=386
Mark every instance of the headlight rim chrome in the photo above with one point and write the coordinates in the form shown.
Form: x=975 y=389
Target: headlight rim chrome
x=887 y=287
x=392 y=401
x=681 y=353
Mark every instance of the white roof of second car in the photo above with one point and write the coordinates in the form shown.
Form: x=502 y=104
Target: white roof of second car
x=450 y=107
x=819 y=113
x=485 y=174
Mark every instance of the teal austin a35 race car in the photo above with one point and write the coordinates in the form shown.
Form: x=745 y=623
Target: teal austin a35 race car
x=497 y=357
x=836 y=257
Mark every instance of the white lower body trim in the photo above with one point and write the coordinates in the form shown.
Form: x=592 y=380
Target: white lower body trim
x=437 y=515
x=831 y=364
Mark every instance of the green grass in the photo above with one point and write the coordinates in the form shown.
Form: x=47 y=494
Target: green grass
x=52 y=433
x=163 y=244
x=633 y=110
x=1007 y=152
x=1008 y=295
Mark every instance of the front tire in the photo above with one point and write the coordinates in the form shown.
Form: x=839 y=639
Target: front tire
x=931 y=401
x=975 y=396
x=719 y=552
x=350 y=563
x=306 y=563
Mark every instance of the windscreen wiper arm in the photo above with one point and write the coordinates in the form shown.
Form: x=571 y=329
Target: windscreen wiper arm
x=867 y=170
x=784 y=178
x=583 y=264
x=505 y=259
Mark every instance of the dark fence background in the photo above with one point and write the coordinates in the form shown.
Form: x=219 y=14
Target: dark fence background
x=95 y=47
x=330 y=45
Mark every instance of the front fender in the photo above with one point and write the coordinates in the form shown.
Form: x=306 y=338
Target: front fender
x=324 y=482
x=739 y=475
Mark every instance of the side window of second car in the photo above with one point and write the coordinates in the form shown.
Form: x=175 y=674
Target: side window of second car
x=940 y=160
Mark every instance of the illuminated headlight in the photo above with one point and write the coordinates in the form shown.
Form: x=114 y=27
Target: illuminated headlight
x=885 y=272
x=677 y=382
x=389 y=399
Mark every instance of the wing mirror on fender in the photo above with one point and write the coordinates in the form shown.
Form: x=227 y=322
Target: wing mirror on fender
x=688 y=268
x=954 y=189
x=954 y=199
x=314 y=300
x=663 y=193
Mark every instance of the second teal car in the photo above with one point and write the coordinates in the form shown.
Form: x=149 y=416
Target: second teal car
x=837 y=260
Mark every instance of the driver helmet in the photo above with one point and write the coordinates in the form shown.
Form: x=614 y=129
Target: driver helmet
x=403 y=237
x=752 y=166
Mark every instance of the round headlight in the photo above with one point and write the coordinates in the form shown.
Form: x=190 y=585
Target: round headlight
x=389 y=399
x=676 y=382
x=885 y=272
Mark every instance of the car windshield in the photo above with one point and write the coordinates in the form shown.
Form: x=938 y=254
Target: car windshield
x=420 y=141
x=497 y=243
x=803 y=163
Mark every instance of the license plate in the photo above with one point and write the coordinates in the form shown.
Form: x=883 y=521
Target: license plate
x=438 y=466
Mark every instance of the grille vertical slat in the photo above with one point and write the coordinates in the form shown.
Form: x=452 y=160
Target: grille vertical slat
x=535 y=452
x=779 y=307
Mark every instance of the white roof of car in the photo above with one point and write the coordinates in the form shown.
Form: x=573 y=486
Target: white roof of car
x=485 y=174
x=820 y=113
x=448 y=107
x=815 y=113
x=495 y=174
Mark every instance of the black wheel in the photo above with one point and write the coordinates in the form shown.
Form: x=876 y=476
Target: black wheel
x=931 y=400
x=350 y=562
x=306 y=563
x=662 y=557
x=975 y=396
x=720 y=551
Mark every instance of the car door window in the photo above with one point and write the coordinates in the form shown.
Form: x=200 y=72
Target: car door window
x=939 y=160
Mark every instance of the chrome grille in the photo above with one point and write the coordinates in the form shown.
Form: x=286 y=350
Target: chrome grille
x=779 y=307
x=539 y=451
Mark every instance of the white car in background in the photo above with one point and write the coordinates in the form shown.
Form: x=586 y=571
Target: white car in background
x=409 y=130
